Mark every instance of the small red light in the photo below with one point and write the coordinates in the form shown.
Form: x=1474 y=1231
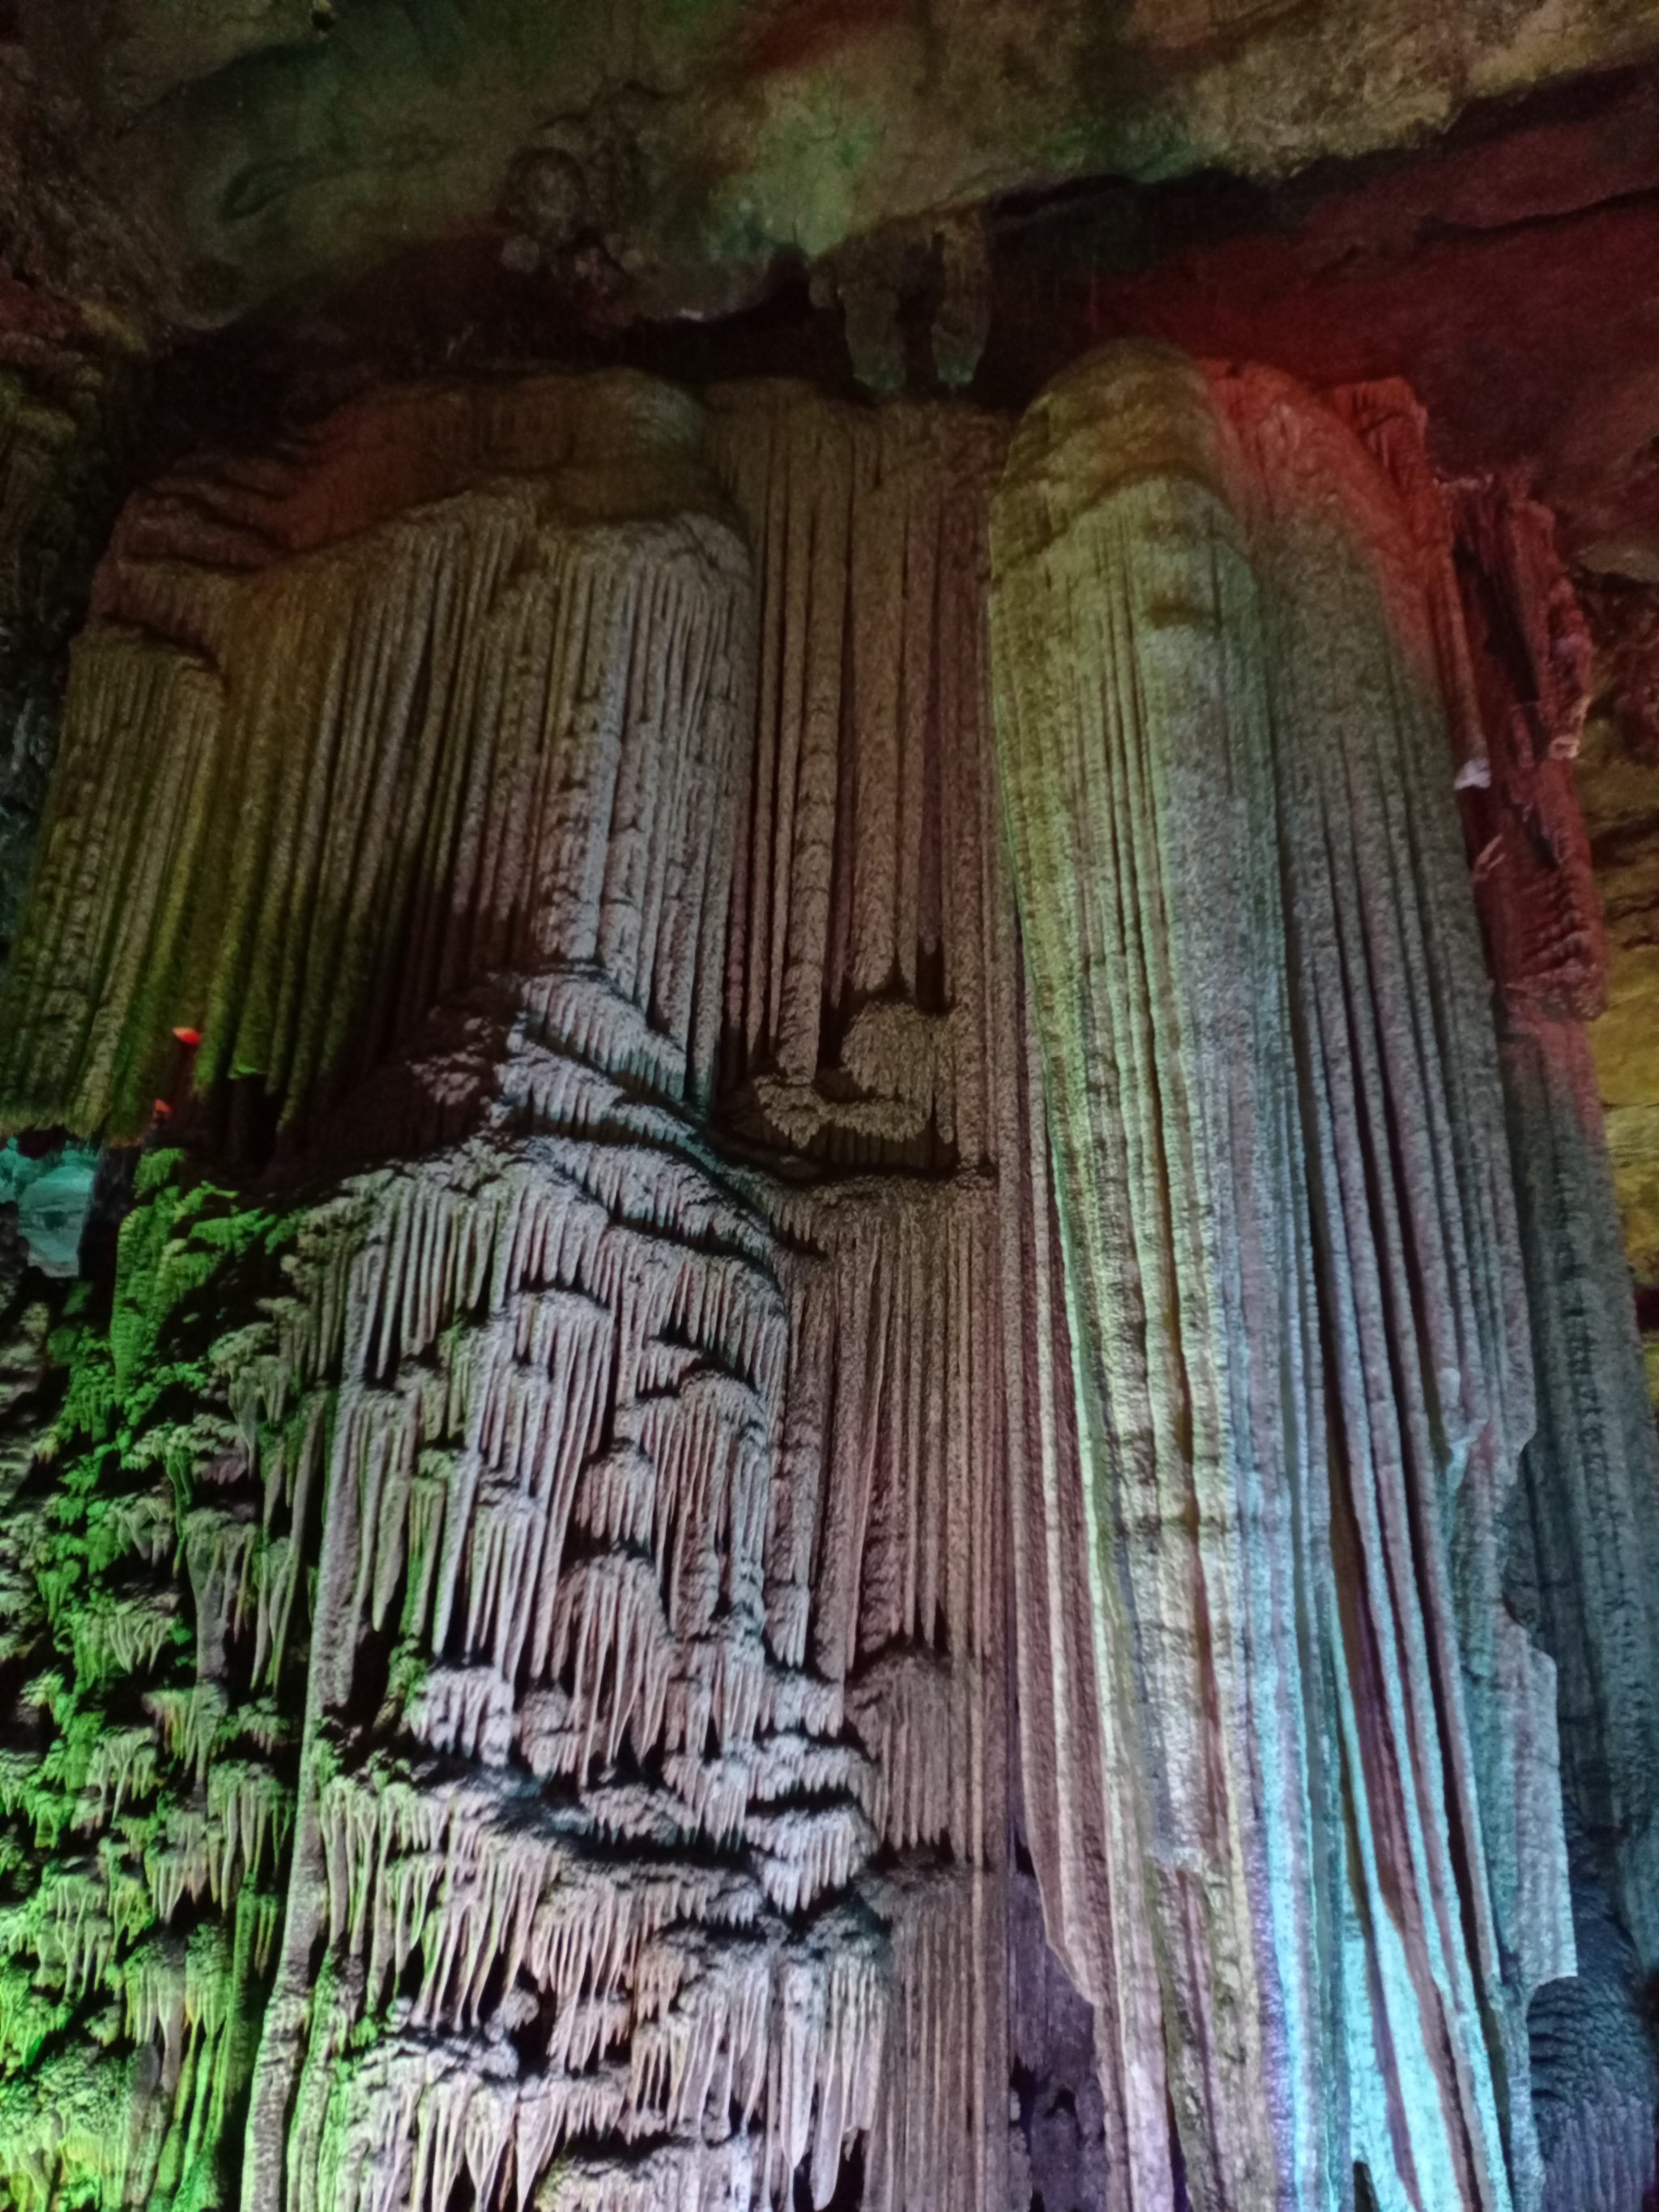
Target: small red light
x=191 y=1037
x=162 y=1107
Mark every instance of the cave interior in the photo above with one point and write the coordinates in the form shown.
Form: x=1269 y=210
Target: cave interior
x=829 y=1106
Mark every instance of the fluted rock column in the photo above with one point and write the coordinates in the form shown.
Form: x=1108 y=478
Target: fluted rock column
x=1138 y=778
x=1291 y=1276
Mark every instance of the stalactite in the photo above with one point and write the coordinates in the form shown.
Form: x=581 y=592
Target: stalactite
x=554 y=1397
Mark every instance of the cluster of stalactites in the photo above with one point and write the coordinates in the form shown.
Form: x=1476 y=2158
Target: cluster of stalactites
x=679 y=1638
x=628 y=1605
x=458 y=690
x=559 y=1376
x=595 y=1870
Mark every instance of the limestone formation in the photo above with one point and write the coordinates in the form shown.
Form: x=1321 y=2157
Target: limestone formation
x=854 y=1428
x=580 y=1727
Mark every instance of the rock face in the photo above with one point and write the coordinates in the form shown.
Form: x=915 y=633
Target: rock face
x=839 y=1454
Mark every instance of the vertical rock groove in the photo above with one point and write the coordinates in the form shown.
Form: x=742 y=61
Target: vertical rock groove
x=859 y=990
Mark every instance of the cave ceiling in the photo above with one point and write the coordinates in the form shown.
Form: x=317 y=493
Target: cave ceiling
x=193 y=164
x=946 y=194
